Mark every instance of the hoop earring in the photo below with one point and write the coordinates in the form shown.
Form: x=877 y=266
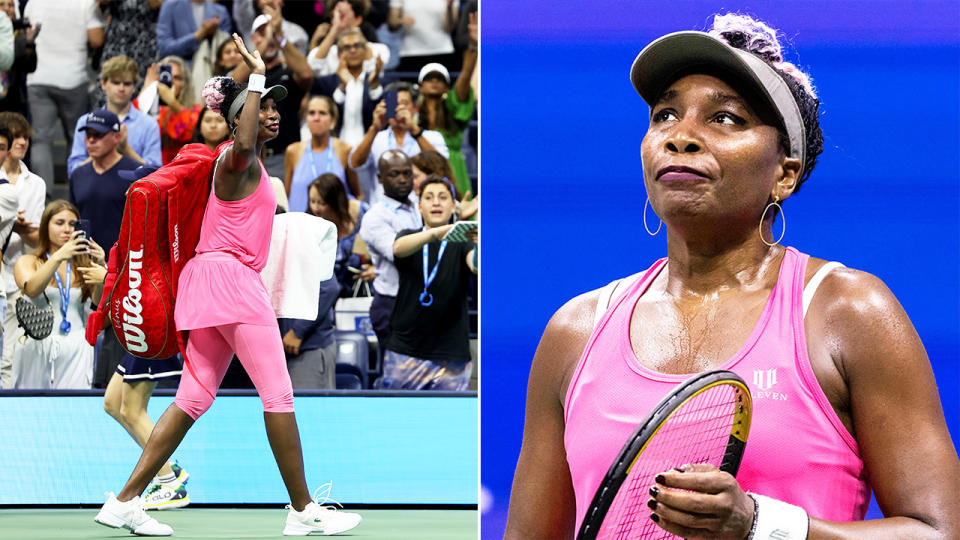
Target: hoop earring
x=654 y=233
x=782 y=218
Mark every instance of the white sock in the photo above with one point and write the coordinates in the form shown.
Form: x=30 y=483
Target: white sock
x=166 y=479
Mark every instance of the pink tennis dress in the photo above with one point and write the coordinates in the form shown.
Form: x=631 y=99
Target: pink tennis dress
x=221 y=284
x=798 y=450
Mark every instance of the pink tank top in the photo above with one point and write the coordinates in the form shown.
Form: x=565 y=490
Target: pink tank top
x=221 y=284
x=798 y=450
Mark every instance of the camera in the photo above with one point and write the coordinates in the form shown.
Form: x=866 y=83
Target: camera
x=166 y=75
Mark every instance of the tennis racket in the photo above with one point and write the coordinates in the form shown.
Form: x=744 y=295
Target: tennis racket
x=704 y=420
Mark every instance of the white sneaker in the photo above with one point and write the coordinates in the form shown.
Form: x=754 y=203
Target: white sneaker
x=130 y=515
x=165 y=497
x=324 y=520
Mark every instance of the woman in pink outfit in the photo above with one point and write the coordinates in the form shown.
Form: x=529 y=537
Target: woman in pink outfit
x=224 y=304
x=845 y=401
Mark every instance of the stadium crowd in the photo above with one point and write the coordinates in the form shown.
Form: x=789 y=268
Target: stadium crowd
x=377 y=135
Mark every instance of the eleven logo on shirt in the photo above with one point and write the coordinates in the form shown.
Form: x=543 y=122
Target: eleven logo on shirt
x=765 y=380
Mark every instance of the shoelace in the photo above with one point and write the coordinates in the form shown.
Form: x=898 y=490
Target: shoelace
x=324 y=491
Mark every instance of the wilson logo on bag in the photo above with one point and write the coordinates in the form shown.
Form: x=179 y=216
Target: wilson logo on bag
x=159 y=234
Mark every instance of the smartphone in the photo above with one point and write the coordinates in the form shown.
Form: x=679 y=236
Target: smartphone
x=390 y=98
x=459 y=231
x=82 y=225
x=166 y=75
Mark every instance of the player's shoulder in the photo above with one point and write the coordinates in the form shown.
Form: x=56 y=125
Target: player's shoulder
x=851 y=295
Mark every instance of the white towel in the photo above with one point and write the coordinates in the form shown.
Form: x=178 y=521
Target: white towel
x=303 y=249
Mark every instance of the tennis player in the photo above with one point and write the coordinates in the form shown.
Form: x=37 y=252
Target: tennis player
x=845 y=401
x=224 y=304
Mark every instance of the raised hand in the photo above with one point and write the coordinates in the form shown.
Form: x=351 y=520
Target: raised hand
x=92 y=274
x=472 y=28
x=77 y=245
x=375 y=74
x=22 y=226
x=252 y=60
x=380 y=115
x=97 y=254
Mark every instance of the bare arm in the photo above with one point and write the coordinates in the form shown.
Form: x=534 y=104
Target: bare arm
x=462 y=86
x=95 y=37
x=409 y=244
x=240 y=157
x=542 y=504
x=33 y=279
x=290 y=158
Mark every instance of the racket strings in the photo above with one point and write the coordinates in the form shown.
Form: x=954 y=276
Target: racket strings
x=697 y=432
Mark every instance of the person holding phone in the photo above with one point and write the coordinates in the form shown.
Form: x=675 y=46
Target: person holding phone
x=179 y=112
x=429 y=346
x=66 y=273
x=394 y=129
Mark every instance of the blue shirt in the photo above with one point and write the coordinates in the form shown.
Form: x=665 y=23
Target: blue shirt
x=101 y=198
x=175 y=27
x=143 y=135
x=379 y=229
x=319 y=333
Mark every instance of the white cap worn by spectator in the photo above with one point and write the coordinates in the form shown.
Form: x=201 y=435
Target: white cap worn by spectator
x=261 y=20
x=434 y=67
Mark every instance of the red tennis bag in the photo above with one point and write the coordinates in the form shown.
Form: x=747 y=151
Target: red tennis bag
x=159 y=234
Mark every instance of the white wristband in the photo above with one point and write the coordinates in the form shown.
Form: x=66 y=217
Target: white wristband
x=777 y=520
x=256 y=83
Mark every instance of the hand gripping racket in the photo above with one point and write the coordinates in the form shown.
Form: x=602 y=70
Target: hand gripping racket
x=704 y=420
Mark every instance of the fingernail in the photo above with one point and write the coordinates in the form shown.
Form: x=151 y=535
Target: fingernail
x=652 y=504
x=660 y=479
x=678 y=469
x=655 y=518
x=654 y=491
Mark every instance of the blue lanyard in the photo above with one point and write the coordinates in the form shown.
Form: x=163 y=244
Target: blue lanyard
x=64 y=296
x=329 y=152
x=392 y=143
x=425 y=297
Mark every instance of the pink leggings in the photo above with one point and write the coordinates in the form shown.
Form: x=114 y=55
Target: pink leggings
x=209 y=351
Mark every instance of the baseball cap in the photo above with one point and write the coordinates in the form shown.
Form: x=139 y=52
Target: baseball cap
x=660 y=62
x=431 y=68
x=261 y=20
x=101 y=121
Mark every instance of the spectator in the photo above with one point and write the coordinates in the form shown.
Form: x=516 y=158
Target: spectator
x=396 y=211
x=244 y=14
x=8 y=219
x=449 y=112
x=96 y=187
x=184 y=23
x=66 y=273
x=392 y=134
x=7 y=51
x=355 y=86
x=140 y=140
x=427 y=163
x=427 y=25
x=179 y=111
x=325 y=59
x=289 y=70
x=322 y=154
x=132 y=31
x=57 y=90
x=429 y=347
x=310 y=345
x=211 y=130
x=13 y=82
x=29 y=191
x=328 y=200
x=228 y=57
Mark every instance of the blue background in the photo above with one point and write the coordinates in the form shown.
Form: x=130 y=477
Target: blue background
x=375 y=450
x=562 y=185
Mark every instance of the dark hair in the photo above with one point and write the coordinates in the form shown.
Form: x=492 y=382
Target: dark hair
x=748 y=34
x=7 y=134
x=19 y=127
x=359 y=7
x=437 y=179
x=334 y=195
x=401 y=86
x=219 y=94
x=198 y=133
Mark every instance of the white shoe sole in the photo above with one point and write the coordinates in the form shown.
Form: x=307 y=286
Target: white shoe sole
x=111 y=520
x=299 y=529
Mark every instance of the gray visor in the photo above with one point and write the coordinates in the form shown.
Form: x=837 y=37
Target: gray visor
x=661 y=61
x=277 y=92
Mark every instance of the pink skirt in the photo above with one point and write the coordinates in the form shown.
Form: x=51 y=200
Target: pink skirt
x=216 y=289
